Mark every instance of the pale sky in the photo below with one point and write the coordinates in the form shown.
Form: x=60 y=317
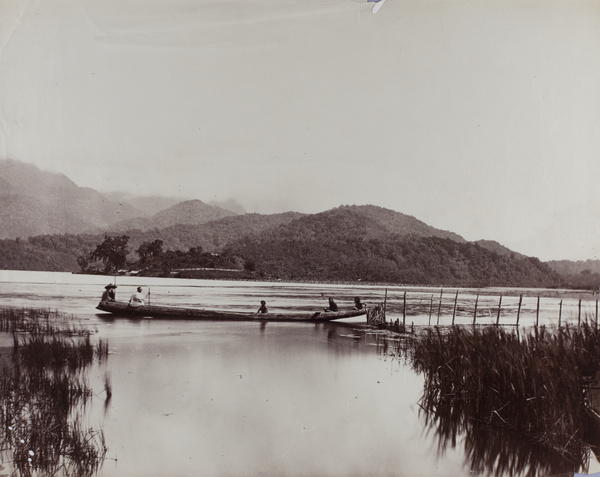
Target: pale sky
x=477 y=116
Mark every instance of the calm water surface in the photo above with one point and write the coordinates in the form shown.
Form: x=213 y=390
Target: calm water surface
x=246 y=399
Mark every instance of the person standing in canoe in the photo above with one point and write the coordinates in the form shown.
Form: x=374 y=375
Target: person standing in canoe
x=137 y=299
x=332 y=305
x=263 y=308
x=109 y=293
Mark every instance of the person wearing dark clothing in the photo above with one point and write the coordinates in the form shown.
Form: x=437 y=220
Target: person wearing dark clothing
x=332 y=305
x=109 y=293
x=358 y=305
x=263 y=308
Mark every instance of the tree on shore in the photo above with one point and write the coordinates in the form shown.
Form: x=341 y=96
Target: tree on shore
x=112 y=252
x=149 y=250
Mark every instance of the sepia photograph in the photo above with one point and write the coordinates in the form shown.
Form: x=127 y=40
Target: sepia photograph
x=299 y=238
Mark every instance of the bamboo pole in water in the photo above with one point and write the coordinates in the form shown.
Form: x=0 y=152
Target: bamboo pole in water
x=384 y=304
x=440 y=306
x=404 y=311
x=579 y=314
x=431 y=309
x=596 y=315
x=537 y=313
x=475 y=312
x=560 y=313
x=519 y=310
x=454 y=311
x=499 y=308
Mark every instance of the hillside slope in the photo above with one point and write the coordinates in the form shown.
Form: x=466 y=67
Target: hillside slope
x=211 y=236
x=189 y=212
x=35 y=202
x=349 y=243
x=149 y=205
x=353 y=243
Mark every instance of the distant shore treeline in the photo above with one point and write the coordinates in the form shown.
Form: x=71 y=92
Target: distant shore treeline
x=348 y=244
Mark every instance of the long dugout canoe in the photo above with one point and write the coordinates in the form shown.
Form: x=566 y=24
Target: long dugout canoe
x=175 y=312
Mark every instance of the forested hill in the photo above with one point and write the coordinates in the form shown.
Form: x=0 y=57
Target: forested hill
x=348 y=243
x=368 y=222
x=60 y=252
x=378 y=220
x=351 y=243
x=212 y=236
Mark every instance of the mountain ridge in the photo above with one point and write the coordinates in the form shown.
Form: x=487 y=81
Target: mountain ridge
x=189 y=212
x=350 y=243
x=34 y=202
x=373 y=244
x=37 y=203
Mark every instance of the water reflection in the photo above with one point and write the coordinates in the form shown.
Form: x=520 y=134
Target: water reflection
x=499 y=452
x=41 y=429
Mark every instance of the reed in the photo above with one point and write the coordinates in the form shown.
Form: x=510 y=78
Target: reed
x=39 y=428
x=42 y=393
x=102 y=350
x=107 y=387
x=50 y=338
x=40 y=321
x=56 y=351
x=529 y=384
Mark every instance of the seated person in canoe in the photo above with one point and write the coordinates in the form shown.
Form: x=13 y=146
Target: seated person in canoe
x=332 y=305
x=137 y=299
x=263 y=308
x=109 y=293
x=358 y=305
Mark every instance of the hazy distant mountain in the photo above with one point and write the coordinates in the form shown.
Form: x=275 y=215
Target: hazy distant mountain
x=190 y=212
x=231 y=204
x=149 y=205
x=212 y=236
x=568 y=267
x=35 y=202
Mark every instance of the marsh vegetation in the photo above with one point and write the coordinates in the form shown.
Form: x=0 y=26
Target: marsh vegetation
x=43 y=388
x=517 y=398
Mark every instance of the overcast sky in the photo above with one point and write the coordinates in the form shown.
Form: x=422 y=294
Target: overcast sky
x=481 y=117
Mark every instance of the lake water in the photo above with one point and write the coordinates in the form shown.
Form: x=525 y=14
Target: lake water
x=249 y=399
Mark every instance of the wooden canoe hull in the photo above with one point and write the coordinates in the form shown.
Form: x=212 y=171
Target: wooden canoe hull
x=174 y=312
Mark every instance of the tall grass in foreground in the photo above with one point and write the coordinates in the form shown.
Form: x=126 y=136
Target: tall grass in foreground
x=40 y=321
x=39 y=433
x=530 y=386
x=42 y=392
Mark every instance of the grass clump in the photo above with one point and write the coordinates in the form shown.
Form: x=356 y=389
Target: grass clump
x=43 y=392
x=56 y=351
x=38 y=428
x=40 y=321
x=530 y=386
